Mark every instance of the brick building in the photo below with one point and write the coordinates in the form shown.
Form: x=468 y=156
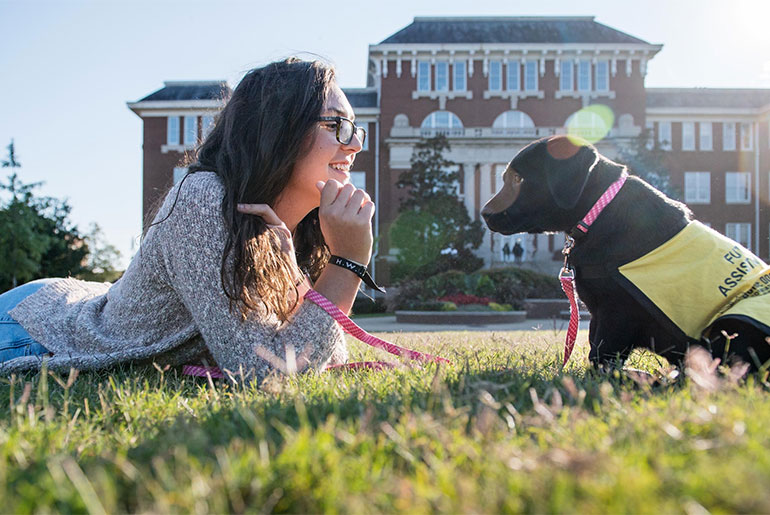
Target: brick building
x=494 y=84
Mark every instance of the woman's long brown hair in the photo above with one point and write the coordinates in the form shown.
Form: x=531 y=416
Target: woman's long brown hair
x=265 y=128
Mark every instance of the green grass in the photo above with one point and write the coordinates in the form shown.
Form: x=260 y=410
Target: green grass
x=503 y=429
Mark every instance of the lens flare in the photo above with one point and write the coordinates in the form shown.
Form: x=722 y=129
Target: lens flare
x=592 y=123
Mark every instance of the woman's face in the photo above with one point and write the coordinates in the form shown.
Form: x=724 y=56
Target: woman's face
x=327 y=158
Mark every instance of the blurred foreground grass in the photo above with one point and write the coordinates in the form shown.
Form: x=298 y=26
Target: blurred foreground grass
x=503 y=429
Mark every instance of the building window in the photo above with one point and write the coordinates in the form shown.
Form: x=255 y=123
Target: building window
x=584 y=75
x=441 y=122
x=728 y=136
x=513 y=80
x=514 y=123
x=459 y=76
x=747 y=139
x=366 y=128
x=705 y=136
x=587 y=124
x=442 y=76
x=737 y=187
x=650 y=134
x=179 y=173
x=567 y=79
x=423 y=76
x=207 y=125
x=740 y=232
x=602 y=76
x=697 y=187
x=172 y=131
x=495 y=76
x=190 y=130
x=688 y=135
x=358 y=179
x=530 y=76
x=664 y=135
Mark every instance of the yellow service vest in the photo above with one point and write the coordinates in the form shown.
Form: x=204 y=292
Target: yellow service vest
x=699 y=276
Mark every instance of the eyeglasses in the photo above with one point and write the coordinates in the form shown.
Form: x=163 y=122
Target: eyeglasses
x=346 y=129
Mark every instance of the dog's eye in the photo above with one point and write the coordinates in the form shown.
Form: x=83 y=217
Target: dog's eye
x=516 y=178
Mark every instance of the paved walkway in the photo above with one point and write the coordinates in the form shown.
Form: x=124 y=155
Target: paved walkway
x=387 y=324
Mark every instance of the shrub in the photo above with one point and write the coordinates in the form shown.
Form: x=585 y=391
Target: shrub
x=462 y=299
x=366 y=306
x=503 y=286
x=431 y=305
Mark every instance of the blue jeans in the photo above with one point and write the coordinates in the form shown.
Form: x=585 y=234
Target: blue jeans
x=15 y=341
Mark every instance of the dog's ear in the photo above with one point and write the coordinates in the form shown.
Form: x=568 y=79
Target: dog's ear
x=568 y=162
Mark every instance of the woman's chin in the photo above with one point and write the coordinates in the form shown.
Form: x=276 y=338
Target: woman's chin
x=338 y=175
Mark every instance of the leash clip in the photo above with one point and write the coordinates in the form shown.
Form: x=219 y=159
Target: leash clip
x=566 y=270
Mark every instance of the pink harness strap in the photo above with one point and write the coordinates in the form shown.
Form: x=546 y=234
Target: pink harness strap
x=349 y=327
x=567 y=275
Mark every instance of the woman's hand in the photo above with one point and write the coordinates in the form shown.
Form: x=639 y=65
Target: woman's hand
x=345 y=214
x=273 y=222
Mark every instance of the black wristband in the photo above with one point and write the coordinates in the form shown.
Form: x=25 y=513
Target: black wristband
x=358 y=269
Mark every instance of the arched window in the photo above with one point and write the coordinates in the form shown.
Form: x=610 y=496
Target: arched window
x=514 y=123
x=591 y=123
x=442 y=122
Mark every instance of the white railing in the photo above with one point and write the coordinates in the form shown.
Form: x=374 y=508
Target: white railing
x=476 y=132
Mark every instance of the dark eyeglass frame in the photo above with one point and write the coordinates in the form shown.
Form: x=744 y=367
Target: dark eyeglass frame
x=338 y=121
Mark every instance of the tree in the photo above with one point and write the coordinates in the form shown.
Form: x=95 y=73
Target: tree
x=101 y=263
x=22 y=242
x=36 y=237
x=433 y=232
x=646 y=158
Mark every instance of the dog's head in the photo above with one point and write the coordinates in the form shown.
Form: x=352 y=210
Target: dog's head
x=541 y=185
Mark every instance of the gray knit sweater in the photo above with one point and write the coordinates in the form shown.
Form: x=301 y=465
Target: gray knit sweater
x=169 y=306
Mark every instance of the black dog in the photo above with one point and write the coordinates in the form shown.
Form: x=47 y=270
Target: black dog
x=553 y=183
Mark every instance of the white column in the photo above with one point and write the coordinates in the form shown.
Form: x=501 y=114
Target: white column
x=485 y=193
x=469 y=186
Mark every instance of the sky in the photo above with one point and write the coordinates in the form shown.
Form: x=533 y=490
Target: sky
x=68 y=67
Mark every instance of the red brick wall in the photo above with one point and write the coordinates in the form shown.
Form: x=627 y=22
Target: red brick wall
x=158 y=175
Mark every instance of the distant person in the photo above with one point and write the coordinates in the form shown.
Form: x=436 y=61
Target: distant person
x=506 y=251
x=216 y=278
x=518 y=251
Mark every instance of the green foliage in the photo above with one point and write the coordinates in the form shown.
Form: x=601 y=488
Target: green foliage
x=102 y=259
x=502 y=429
x=494 y=306
x=646 y=158
x=433 y=231
x=38 y=240
x=432 y=305
x=22 y=244
x=366 y=306
x=431 y=176
x=505 y=285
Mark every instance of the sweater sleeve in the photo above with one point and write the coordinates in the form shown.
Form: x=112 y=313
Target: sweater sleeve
x=191 y=242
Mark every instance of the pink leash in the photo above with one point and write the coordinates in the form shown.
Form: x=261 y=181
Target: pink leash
x=349 y=327
x=567 y=275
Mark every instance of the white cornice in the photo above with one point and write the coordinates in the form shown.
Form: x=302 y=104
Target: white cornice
x=172 y=107
x=366 y=112
x=390 y=51
x=683 y=113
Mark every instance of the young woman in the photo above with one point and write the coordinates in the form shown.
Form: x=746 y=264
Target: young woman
x=216 y=277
